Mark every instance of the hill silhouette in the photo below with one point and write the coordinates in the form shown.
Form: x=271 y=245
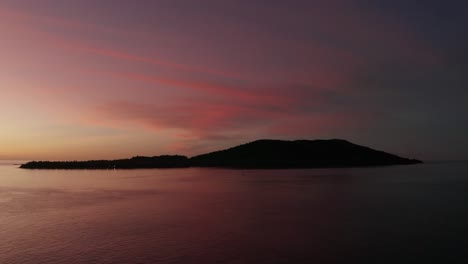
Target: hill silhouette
x=257 y=154
x=298 y=154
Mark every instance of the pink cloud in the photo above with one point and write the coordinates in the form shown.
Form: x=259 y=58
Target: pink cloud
x=147 y=60
x=264 y=96
x=211 y=120
x=198 y=118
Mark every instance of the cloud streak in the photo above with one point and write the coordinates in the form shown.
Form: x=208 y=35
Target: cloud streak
x=81 y=46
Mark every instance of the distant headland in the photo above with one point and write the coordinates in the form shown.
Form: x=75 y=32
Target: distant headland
x=260 y=154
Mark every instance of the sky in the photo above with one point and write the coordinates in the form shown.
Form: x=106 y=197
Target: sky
x=118 y=78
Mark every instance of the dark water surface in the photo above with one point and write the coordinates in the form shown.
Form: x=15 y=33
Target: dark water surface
x=402 y=214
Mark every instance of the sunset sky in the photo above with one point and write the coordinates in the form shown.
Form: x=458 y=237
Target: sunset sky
x=117 y=78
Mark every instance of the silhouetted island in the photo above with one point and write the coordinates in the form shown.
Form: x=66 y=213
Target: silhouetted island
x=165 y=161
x=257 y=154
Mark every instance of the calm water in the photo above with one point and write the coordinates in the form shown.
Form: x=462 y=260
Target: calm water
x=400 y=214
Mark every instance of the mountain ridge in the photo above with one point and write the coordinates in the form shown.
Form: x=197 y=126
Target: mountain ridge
x=262 y=153
x=298 y=153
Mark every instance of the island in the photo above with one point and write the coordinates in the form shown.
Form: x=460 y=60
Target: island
x=138 y=162
x=259 y=154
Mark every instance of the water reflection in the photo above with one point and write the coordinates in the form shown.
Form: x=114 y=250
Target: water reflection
x=380 y=215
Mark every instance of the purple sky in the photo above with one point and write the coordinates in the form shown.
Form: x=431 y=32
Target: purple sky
x=112 y=79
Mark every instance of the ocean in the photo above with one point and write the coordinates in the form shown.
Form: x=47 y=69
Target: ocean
x=397 y=214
